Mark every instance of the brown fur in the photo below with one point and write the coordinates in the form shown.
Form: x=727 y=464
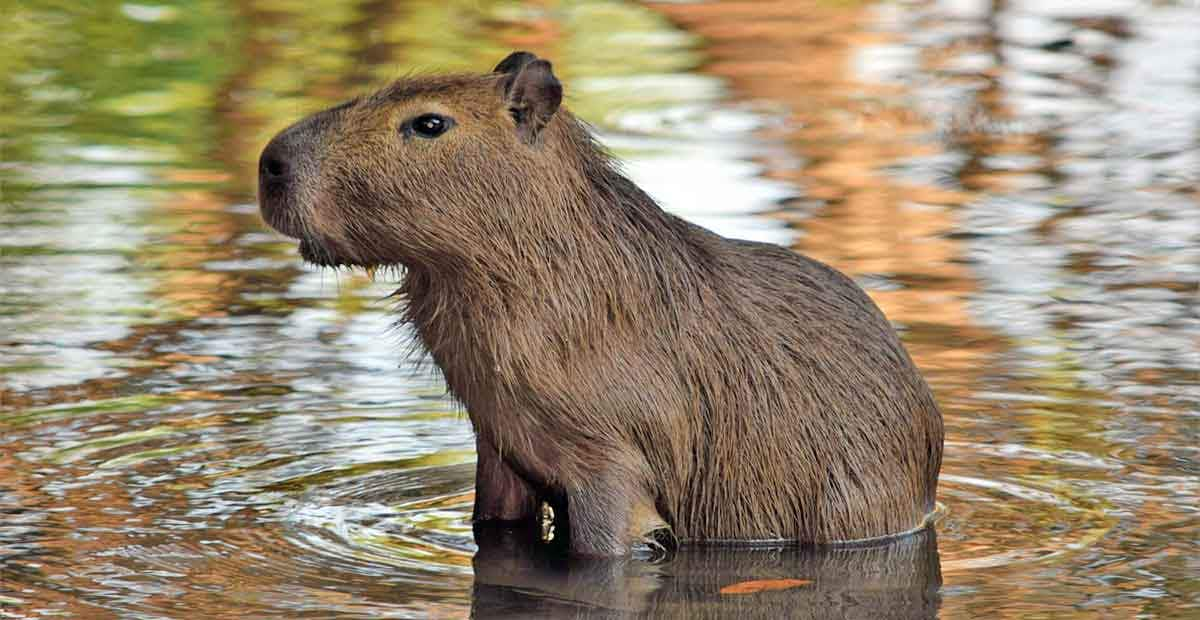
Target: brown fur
x=631 y=368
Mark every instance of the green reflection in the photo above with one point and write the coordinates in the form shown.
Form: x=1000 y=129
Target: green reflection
x=106 y=74
x=174 y=82
x=42 y=415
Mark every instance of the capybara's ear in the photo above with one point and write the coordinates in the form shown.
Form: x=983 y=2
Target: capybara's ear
x=531 y=92
x=514 y=62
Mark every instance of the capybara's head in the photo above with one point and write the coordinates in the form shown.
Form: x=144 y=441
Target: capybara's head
x=425 y=172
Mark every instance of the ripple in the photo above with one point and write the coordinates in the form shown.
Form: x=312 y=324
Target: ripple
x=412 y=520
x=1026 y=522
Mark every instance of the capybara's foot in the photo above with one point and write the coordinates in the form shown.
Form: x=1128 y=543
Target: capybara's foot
x=610 y=514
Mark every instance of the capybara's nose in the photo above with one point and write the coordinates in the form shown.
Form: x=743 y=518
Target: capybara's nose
x=279 y=169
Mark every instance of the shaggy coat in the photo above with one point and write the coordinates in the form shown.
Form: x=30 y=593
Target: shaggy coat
x=635 y=371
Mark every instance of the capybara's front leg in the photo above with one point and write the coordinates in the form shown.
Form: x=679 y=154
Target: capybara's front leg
x=501 y=494
x=609 y=513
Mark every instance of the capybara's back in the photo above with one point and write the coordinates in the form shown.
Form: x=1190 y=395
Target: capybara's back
x=634 y=371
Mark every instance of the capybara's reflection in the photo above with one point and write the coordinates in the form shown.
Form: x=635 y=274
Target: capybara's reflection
x=516 y=577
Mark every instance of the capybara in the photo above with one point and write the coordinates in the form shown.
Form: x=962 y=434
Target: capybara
x=635 y=371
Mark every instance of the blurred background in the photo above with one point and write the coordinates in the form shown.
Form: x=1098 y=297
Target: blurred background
x=194 y=424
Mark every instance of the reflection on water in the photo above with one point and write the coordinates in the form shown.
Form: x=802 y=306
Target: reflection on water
x=515 y=579
x=193 y=424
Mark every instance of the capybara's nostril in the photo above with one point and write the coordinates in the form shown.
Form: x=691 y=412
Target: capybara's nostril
x=274 y=166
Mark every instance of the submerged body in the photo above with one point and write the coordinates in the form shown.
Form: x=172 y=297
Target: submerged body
x=632 y=369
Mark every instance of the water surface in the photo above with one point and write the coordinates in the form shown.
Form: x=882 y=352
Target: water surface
x=195 y=425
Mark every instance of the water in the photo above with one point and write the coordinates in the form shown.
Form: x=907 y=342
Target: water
x=194 y=425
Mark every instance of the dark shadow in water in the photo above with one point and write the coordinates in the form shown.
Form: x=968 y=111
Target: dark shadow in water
x=515 y=577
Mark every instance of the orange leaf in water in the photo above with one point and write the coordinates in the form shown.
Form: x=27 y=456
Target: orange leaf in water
x=762 y=585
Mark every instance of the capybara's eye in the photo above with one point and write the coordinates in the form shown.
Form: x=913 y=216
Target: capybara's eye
x=429 y=125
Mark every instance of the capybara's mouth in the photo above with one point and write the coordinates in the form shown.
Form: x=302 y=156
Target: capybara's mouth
x=320 y=254
x=317 y=253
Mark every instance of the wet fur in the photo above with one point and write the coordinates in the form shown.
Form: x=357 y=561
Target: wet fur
x=633 y=369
